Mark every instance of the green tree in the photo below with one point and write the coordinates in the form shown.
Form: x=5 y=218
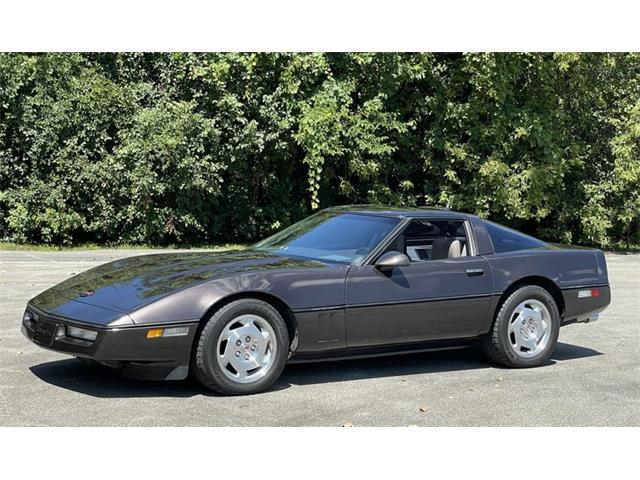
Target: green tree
x=185 y=147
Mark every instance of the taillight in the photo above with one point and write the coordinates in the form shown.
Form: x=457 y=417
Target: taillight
x=592 y=292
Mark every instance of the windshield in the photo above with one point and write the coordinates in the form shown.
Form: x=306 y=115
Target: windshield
x=331 y=236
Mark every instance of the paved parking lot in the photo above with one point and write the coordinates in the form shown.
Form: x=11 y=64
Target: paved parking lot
x=592 y=380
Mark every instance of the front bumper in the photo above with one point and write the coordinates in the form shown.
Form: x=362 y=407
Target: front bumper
x=127 y=348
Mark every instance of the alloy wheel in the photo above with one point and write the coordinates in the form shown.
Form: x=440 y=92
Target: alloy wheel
x=246 y=348
x=529 y=328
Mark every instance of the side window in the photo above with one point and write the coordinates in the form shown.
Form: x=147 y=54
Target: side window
x=423 y=240
x=506 y=240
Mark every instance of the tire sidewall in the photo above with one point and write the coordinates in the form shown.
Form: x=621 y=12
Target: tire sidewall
x=506 y=312
x=209 y=343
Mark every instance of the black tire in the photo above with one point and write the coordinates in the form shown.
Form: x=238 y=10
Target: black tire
x=205 y=366
x=497 y=344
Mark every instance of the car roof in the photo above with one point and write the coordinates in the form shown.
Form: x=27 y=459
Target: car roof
x=398 y=212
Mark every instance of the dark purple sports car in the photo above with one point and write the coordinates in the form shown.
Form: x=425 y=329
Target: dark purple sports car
x=345 y=282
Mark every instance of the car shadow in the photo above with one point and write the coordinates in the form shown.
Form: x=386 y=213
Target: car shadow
x=96 y=381
x=412 y=364
x=568 y=351
x=99 y=382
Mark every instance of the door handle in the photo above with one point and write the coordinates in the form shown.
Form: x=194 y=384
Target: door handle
x=474 y=272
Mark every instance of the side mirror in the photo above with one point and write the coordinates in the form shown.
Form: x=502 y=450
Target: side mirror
x=391 y=260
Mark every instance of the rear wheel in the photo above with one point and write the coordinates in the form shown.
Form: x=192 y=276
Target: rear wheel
x=242 y=348
x=526 y=329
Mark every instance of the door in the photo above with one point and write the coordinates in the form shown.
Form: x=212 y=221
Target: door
x=431 y=299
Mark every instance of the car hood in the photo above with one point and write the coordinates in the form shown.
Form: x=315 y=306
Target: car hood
x=131 y=283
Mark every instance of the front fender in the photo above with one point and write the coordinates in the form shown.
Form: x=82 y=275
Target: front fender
x=297 y=289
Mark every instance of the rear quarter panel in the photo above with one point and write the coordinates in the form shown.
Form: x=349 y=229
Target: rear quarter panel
x=568 y=268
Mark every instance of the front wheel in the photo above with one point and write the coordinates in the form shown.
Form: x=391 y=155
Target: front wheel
x=242 y=348
x=526 y=329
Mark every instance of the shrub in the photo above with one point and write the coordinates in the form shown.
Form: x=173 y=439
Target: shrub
x=192 y=148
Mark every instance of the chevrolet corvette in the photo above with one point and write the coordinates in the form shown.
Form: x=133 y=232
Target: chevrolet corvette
x=345 y=282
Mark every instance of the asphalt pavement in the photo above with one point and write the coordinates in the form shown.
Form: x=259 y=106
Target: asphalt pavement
x=593 y=378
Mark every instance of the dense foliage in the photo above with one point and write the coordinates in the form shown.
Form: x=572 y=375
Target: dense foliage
x=195 y=148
